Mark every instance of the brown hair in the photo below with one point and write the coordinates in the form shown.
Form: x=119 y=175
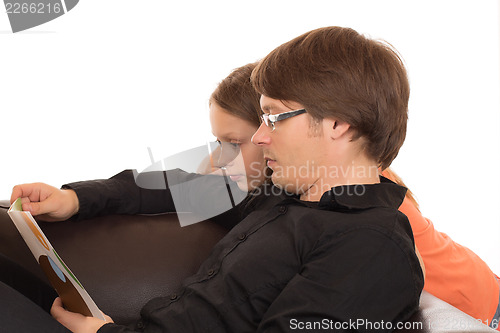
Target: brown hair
x=236 y=95
x=337 y=73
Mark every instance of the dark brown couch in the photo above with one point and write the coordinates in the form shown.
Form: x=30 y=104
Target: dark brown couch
x=123 y=261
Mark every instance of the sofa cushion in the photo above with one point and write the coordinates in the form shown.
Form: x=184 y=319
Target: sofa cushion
x=122 y=261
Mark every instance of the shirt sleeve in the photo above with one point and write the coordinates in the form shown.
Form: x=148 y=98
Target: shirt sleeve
x=114 y=328
x=359 y=281
x=120 y=194
x=449 y=266
x=208 y=196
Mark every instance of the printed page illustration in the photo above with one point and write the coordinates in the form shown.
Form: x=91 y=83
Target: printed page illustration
x=71 y=291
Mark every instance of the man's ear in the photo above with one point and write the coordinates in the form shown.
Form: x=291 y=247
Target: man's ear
x=336 y=128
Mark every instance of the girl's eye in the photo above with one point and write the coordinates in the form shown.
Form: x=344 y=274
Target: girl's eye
x=235 y=145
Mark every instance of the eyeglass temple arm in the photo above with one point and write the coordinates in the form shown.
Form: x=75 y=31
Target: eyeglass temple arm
x=286 y=115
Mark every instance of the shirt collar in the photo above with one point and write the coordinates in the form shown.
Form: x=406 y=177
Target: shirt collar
x=347 y=197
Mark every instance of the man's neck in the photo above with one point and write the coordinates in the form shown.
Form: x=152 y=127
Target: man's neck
x=358 y=172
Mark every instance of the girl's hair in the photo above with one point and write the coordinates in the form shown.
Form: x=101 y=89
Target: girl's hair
x=236 y=95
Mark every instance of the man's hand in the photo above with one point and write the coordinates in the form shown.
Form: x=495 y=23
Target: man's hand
x=46 y=202
x=76 y=322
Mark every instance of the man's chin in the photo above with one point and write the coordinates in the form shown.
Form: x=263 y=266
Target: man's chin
x=292 y=185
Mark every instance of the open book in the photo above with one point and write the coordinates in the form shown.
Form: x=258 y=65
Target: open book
x=71 y=291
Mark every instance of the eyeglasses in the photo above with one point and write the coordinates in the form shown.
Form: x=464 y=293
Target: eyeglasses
x=271 y=119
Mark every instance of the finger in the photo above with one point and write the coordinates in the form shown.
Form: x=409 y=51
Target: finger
x=16 y=193
x=39 y=208
x=107 y=318
x=56 y=308
x=62 y=315
x=31 y=191
x=20 y=191
x=26 y=204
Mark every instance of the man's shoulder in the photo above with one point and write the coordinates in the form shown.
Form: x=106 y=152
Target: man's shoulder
x=384 y=220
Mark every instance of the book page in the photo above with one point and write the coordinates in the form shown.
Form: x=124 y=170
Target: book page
x=71 y=291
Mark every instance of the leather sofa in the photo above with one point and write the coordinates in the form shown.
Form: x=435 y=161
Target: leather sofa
x=123 y=261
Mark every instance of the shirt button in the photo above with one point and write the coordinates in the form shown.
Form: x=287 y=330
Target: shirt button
x=282 y=209
x=140 y=324
x=210 y=272
x=173 y=297
x=242 y=236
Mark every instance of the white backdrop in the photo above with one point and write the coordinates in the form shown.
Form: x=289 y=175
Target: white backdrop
x=83 y=96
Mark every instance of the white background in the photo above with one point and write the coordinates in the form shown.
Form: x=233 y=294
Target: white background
x=83 y=96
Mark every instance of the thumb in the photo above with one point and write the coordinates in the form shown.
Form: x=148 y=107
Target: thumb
x=39 y=208
x=57 y=306
x=63 y=316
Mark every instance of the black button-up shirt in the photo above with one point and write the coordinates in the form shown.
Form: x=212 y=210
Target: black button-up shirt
x=344 y=263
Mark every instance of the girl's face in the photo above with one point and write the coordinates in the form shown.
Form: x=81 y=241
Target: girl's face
x=248 y=168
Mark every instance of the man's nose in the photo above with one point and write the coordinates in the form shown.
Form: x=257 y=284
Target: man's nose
x=261 y=137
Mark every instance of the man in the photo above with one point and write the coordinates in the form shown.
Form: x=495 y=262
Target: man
x=326 y=247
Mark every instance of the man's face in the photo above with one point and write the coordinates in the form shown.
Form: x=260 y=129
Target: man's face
x=296 y=151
